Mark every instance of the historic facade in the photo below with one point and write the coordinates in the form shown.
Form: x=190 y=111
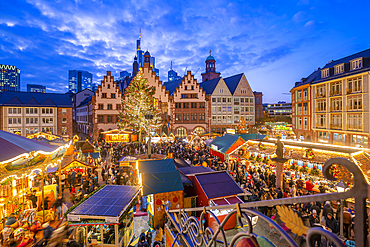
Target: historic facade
x=106 y=105
x=26 y=113
x=340 y=101
x=189 y=108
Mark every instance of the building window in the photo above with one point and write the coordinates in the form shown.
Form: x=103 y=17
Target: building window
x=27 y=110
x=324 y=73
x=305 y=109
x=236 y=101
x=336 y=104
x=251 y=100
x=336 y=121
x=336 y=88
x=223 y=100
x=241 y=100
x=193 y=105
x=257 y=100
x=229 y=119
x=339 y=69
x=218 y=99
x=199 y=130
x=228 y=100
x=104 y=95
x=185 y=105
x=110 y=119
x=64 y=120
x=360 y=139
x=118 y=107
x=64 y=111
x=100 y=119
x=354 y=122
x=305 y=94
x=178 y=116
x=224 y=109
x=299 y=123
x=184 y=96
x=201 y=105
x=323 y=135
x=113 y=95
x=236 y=110
x=100 y=107
x=251 y=109
x=356 y=64
x=177 y=105
x=186 y=117
x=110 y=107
x=64 y=130
x=181 y=132
x=339 y=137
x=321 y=106
x=186 y=87
x=236 y=119
x=193 y=117
x=354 y=85
x=219 y=119
x=214 y=119
x=201 y=116
x=214 y=100
x=305 y=123
x=299 y=94
x=321 y=121
x=320 y=91
x=354 y=103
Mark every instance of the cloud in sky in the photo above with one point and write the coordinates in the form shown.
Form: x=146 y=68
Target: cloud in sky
x=272 y=43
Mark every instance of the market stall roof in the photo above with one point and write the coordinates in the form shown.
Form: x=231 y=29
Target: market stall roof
x=156 y=166
x=179 y=163
x=84 y=146
x=194 y=170
x=127 y=158
x=154 y=183
x=160 y=176
x=218 y=184
x=225 y=142
x=111 y=200
x=13 y=145
x=185 y=180
x=247 y=137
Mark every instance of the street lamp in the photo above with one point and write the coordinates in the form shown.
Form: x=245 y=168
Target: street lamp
x=149 y=117
x=209 y=130
x=341 y=187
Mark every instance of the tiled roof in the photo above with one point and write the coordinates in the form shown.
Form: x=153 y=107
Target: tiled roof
x=210 y=85
x=85 y=101
x=232 y=82
x=315 y=77
x=172 y=85
x=10 y=98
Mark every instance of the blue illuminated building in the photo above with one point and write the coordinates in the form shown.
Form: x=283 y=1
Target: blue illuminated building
x=79 y=80
x=10 y=78
x=33 y=88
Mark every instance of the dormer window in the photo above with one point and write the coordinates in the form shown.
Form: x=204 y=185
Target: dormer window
x=339 y=69
x=356 y=63
x=324 y=73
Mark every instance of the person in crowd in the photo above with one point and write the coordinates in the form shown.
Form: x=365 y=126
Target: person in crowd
x=327 y=209
x=332 y=224
x=58 y=203
x=314 y=219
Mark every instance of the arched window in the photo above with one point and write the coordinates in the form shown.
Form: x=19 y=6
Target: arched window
x=199 y=130
x=181 y=132
x=108 y=85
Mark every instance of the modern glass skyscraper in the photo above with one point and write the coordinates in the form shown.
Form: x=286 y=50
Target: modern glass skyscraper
x=79 y=80
x=33 y=88
x=10 y=78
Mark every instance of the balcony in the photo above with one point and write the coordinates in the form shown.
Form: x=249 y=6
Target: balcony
x=336 y=93
x=321 y=110
x=354 y=90
x=336 y=109
x=320 y=95
x=321 y=126
x=355 y=128
x=335 y=126
x=354 y=108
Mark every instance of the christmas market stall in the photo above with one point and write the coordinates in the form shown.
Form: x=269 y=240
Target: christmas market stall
x=23 y=162
x=119 y=135
x=214 y=189
x=161 y=182
x=106 y=217
x=222 y=146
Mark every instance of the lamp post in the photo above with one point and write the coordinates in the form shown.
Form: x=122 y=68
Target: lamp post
x=341 y=187
x=149 y=117
x=209 y=130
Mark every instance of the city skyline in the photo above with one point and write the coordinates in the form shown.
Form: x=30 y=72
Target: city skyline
x=271 y=44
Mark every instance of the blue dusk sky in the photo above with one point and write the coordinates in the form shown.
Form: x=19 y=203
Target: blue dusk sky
x=275 y=43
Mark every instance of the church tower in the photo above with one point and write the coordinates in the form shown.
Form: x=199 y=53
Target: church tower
x=210 y=69
x=135 y=67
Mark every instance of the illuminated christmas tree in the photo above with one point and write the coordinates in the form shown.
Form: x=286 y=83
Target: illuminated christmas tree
x=139 y=107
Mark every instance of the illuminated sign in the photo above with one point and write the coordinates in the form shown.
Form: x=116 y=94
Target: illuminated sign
x=117 y=138
x=230 y=131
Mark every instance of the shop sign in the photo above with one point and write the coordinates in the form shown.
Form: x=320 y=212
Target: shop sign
x=73 y=217
x=214 y=147
x=230 y=131
x=111 y=219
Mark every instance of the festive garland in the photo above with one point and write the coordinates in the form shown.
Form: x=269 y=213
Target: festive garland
x=314 y=171
x=303 y=169
x=7 y=181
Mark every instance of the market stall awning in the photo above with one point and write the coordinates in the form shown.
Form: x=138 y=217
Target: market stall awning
x=14 y=145
x=185 y=180
x=154 y=183
x=111 y=200
x=247 y=137
x=181 y=163
x=127 y=158
x=218 y=184
x=155 y=166
x=84 y=146
x=224 y=143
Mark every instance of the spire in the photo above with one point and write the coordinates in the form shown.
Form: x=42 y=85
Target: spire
x=210 y=52
x=171 y=65
x=138 y=45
